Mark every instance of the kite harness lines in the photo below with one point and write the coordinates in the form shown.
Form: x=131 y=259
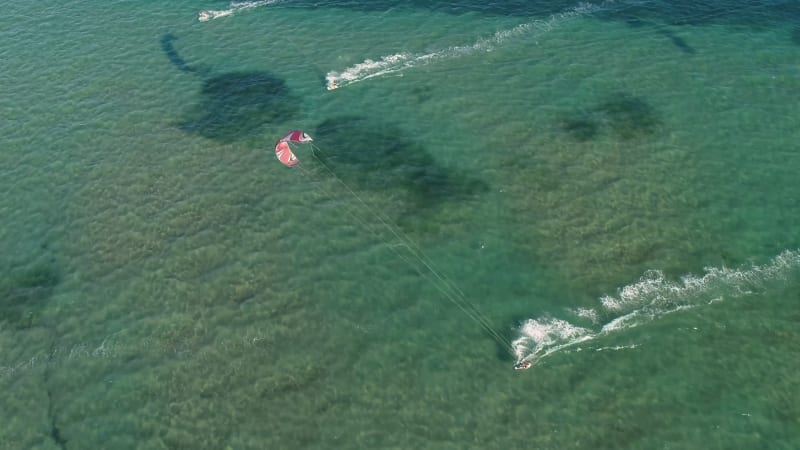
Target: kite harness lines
x=425 y=265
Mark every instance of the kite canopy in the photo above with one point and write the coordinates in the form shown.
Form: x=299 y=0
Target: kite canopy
x=282 y=150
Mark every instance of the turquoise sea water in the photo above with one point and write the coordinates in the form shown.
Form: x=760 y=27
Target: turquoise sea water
x=611 y=187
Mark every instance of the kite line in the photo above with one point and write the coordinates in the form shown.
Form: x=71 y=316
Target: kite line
x=432 y=273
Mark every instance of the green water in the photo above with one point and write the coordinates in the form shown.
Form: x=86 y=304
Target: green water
x=168 y=284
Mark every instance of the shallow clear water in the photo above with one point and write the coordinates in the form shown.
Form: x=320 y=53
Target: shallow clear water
x=611 y=186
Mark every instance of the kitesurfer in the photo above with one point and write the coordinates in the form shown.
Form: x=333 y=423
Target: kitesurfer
x=332 y=83
x=522 y=365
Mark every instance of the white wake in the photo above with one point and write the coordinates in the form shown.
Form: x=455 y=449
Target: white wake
x=650 y=298
x=402 y=61
x=234 y=7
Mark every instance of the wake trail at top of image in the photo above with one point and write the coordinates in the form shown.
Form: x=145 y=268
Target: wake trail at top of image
x=234 y=7
x=650 y=298
x=400 y=61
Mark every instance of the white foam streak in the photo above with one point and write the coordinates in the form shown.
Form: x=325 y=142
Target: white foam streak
x=587 y=313
x=234 y=7
x=650 y=298
x=401 y=61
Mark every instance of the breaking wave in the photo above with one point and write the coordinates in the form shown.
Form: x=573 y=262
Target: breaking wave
x=401 y=61
x=650 y=298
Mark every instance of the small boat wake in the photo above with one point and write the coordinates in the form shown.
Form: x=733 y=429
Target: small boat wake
x=650 y=298
x=401 y=61
x=234 y=7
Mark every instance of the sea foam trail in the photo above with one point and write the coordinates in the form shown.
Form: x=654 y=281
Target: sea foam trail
x=402 y=61
x=650 y=298
x=234 y=7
